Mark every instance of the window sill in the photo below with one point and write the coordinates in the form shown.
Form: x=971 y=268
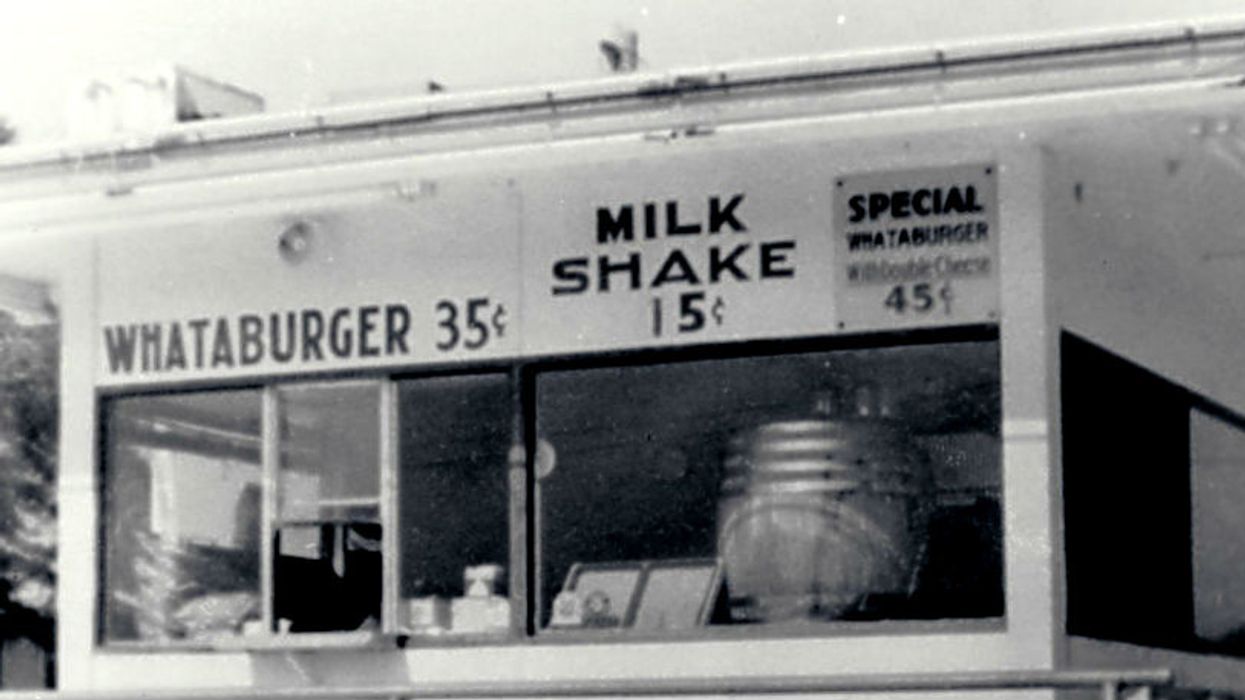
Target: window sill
x=380 y=641
x=260 y=643
x=793 y=630
x=713 y=633
x=310 y=641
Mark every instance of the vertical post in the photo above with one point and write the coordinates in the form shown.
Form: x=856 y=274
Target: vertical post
x=80 y=551
x=270 y=457
x=516 y=482
x=1110 y=690
x=1031 y=486
x=389 y=621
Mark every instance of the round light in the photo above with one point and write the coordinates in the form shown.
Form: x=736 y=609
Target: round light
x=295 y=241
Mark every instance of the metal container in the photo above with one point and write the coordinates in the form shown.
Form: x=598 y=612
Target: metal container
x=817 y=515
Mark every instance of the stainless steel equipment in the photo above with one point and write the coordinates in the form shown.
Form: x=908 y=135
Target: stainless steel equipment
x=817 y=515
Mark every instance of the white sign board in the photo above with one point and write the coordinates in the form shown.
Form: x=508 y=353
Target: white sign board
x=664 y=249
x=652 y=252
x=381 y=281
x=916 y=248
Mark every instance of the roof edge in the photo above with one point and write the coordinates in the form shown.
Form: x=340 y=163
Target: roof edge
x=1200 y=35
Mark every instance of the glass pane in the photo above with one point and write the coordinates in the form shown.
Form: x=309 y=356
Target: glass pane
x=1218 y=483
x=855 y=484
x=330 y=453
x=181 y=514
x=327 y=574
x=455 y=436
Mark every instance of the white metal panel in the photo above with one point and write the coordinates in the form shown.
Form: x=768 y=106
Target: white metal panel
x=763 y=210
x=1143 y=221
x=309 y=286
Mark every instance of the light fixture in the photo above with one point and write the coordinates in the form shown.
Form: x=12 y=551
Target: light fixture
x=294 y=243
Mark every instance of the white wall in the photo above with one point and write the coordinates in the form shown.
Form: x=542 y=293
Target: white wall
x=1139 y=211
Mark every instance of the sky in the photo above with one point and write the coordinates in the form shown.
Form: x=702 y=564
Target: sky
x=301 y=54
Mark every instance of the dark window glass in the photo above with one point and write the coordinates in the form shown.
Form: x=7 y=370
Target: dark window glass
x=1126 y=499
x=181 y=511
x=843 y=485
x=455 y=435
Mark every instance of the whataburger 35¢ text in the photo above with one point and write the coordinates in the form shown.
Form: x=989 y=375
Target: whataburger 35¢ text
x=306 y=335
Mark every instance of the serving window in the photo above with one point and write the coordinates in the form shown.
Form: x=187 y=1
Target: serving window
x=328 y=530
x=243 y=513
x=454 y=517
x=182 y=533
x=775 y=490
x=811 y=487
x=271 y=512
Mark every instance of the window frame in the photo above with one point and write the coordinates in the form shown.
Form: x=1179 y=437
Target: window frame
x=767 y=348
x=270 y=467
x=271 y=519
x=104 y=445
x=524 y=546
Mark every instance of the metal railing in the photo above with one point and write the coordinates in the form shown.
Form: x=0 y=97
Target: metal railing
x=1111 y=684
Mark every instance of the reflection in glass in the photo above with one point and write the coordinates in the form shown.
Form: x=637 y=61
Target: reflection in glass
x=1217 y=473
x=330 y=453
x=181 y=512
x=837 y=485
x=327 y=574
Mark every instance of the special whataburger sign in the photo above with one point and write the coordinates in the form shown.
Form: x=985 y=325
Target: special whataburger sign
x=915 y=246
x=637 y=253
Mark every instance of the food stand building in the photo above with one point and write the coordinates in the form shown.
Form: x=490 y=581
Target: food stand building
x=890 y=373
